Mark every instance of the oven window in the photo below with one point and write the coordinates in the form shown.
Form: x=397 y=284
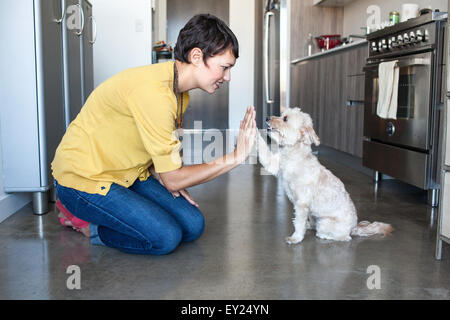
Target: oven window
x=406 y=93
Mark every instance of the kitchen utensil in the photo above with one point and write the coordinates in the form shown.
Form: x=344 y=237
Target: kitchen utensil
x=328 y=41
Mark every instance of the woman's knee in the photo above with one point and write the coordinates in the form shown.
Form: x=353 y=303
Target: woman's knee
x=195 y=226
x=169 y=240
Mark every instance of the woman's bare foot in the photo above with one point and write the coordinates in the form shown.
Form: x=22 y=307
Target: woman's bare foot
x=85 y=231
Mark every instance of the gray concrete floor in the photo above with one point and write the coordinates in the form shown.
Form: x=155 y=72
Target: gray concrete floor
x=242 y=254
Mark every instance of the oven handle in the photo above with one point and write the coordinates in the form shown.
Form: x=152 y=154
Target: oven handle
x=404 y=63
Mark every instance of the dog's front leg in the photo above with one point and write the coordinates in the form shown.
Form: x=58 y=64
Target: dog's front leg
x=301 y=217
x=269 y=160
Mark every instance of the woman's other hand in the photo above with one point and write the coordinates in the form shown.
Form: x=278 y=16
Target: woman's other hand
x=246 y=137
x=176 y=194
x=186 y=195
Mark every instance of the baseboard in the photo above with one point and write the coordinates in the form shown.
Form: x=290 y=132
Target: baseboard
x=10 y=203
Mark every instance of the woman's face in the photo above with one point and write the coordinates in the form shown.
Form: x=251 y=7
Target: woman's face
x=211 y=75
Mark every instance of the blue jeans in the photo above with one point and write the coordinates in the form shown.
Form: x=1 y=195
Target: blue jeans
x=144 y=218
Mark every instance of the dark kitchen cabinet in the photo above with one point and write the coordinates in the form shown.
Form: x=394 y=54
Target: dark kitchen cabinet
x=330 y=88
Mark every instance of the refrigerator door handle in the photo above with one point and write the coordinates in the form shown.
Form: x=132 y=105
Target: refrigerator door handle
x=82 y=20
x=94 y=30
x=266 y=55
x=63 y=14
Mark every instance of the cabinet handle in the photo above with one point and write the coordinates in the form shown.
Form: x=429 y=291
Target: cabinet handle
x=63 y=14
x=82 y=21
x=352 y=103
x=266 y=56
x=94 y=30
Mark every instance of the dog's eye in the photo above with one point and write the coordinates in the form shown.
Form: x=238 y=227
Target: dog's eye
x=285 y=118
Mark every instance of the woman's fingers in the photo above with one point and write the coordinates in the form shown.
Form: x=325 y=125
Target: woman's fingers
x=246 y=135
x=188 y=197
x=251 y=123
x=248 y=117
x=176 y=194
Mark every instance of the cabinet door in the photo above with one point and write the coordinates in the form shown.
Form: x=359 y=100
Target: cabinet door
x=333 y=91
x=313 y=97
x=18 y=95
x=87 y=42
x=355 y=89
x=72 y=28
x=50 y=83
x=447 y=147
x=354 y=100
x=445 y=207
x=303 y=87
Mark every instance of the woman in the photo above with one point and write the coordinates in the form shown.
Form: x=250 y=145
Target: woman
x=118 y=168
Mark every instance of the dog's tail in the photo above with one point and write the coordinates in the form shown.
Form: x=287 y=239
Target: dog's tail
x=365 y=229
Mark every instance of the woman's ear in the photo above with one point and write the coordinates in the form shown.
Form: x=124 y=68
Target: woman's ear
x=196 y=56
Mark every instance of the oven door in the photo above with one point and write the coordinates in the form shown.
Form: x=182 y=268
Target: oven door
x=411 y=128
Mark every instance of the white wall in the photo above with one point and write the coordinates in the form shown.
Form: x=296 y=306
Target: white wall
x=241 y=88
x=124 y=36
x=355 y=15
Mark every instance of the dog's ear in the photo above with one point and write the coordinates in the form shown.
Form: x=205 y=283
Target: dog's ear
x=309 y=133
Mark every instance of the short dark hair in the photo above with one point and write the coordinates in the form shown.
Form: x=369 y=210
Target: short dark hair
x=209 y=34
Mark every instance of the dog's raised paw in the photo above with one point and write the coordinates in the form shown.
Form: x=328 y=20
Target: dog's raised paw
x=293 y=240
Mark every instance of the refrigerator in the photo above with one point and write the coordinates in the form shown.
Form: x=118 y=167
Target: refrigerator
x=78 y=38
x=443 y=228
x=274 y=21
x=40 y=89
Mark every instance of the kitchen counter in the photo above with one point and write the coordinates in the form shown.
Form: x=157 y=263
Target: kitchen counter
x=329 y=86
x=337 y=49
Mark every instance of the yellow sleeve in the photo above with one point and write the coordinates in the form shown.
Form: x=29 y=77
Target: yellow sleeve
x=154 y=110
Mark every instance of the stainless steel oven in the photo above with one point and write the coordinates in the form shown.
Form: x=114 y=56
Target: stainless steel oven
x=406 y=147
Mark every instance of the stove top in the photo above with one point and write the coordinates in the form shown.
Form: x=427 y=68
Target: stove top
x=418 y=34
x=411 y=23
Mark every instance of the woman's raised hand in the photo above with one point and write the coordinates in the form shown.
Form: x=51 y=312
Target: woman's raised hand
x=246 y=137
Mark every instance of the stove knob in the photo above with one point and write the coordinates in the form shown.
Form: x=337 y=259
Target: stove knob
x=380 y=46
x=412 y=37
x=390 y=129
x=406 y=38
x=400 y=40
x=374 y=47
x=419 y=36
x=427 y=36
x=393 y=42
x=384 y=44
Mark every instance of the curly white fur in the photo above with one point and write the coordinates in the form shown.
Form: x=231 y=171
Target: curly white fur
x=319 y=198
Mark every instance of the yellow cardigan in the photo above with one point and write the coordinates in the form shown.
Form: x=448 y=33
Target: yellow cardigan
x=126 y=125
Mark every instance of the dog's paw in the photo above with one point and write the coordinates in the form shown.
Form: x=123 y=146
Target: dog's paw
x=293 y=240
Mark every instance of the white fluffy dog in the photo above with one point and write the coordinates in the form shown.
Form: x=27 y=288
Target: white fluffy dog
x=319 y=198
